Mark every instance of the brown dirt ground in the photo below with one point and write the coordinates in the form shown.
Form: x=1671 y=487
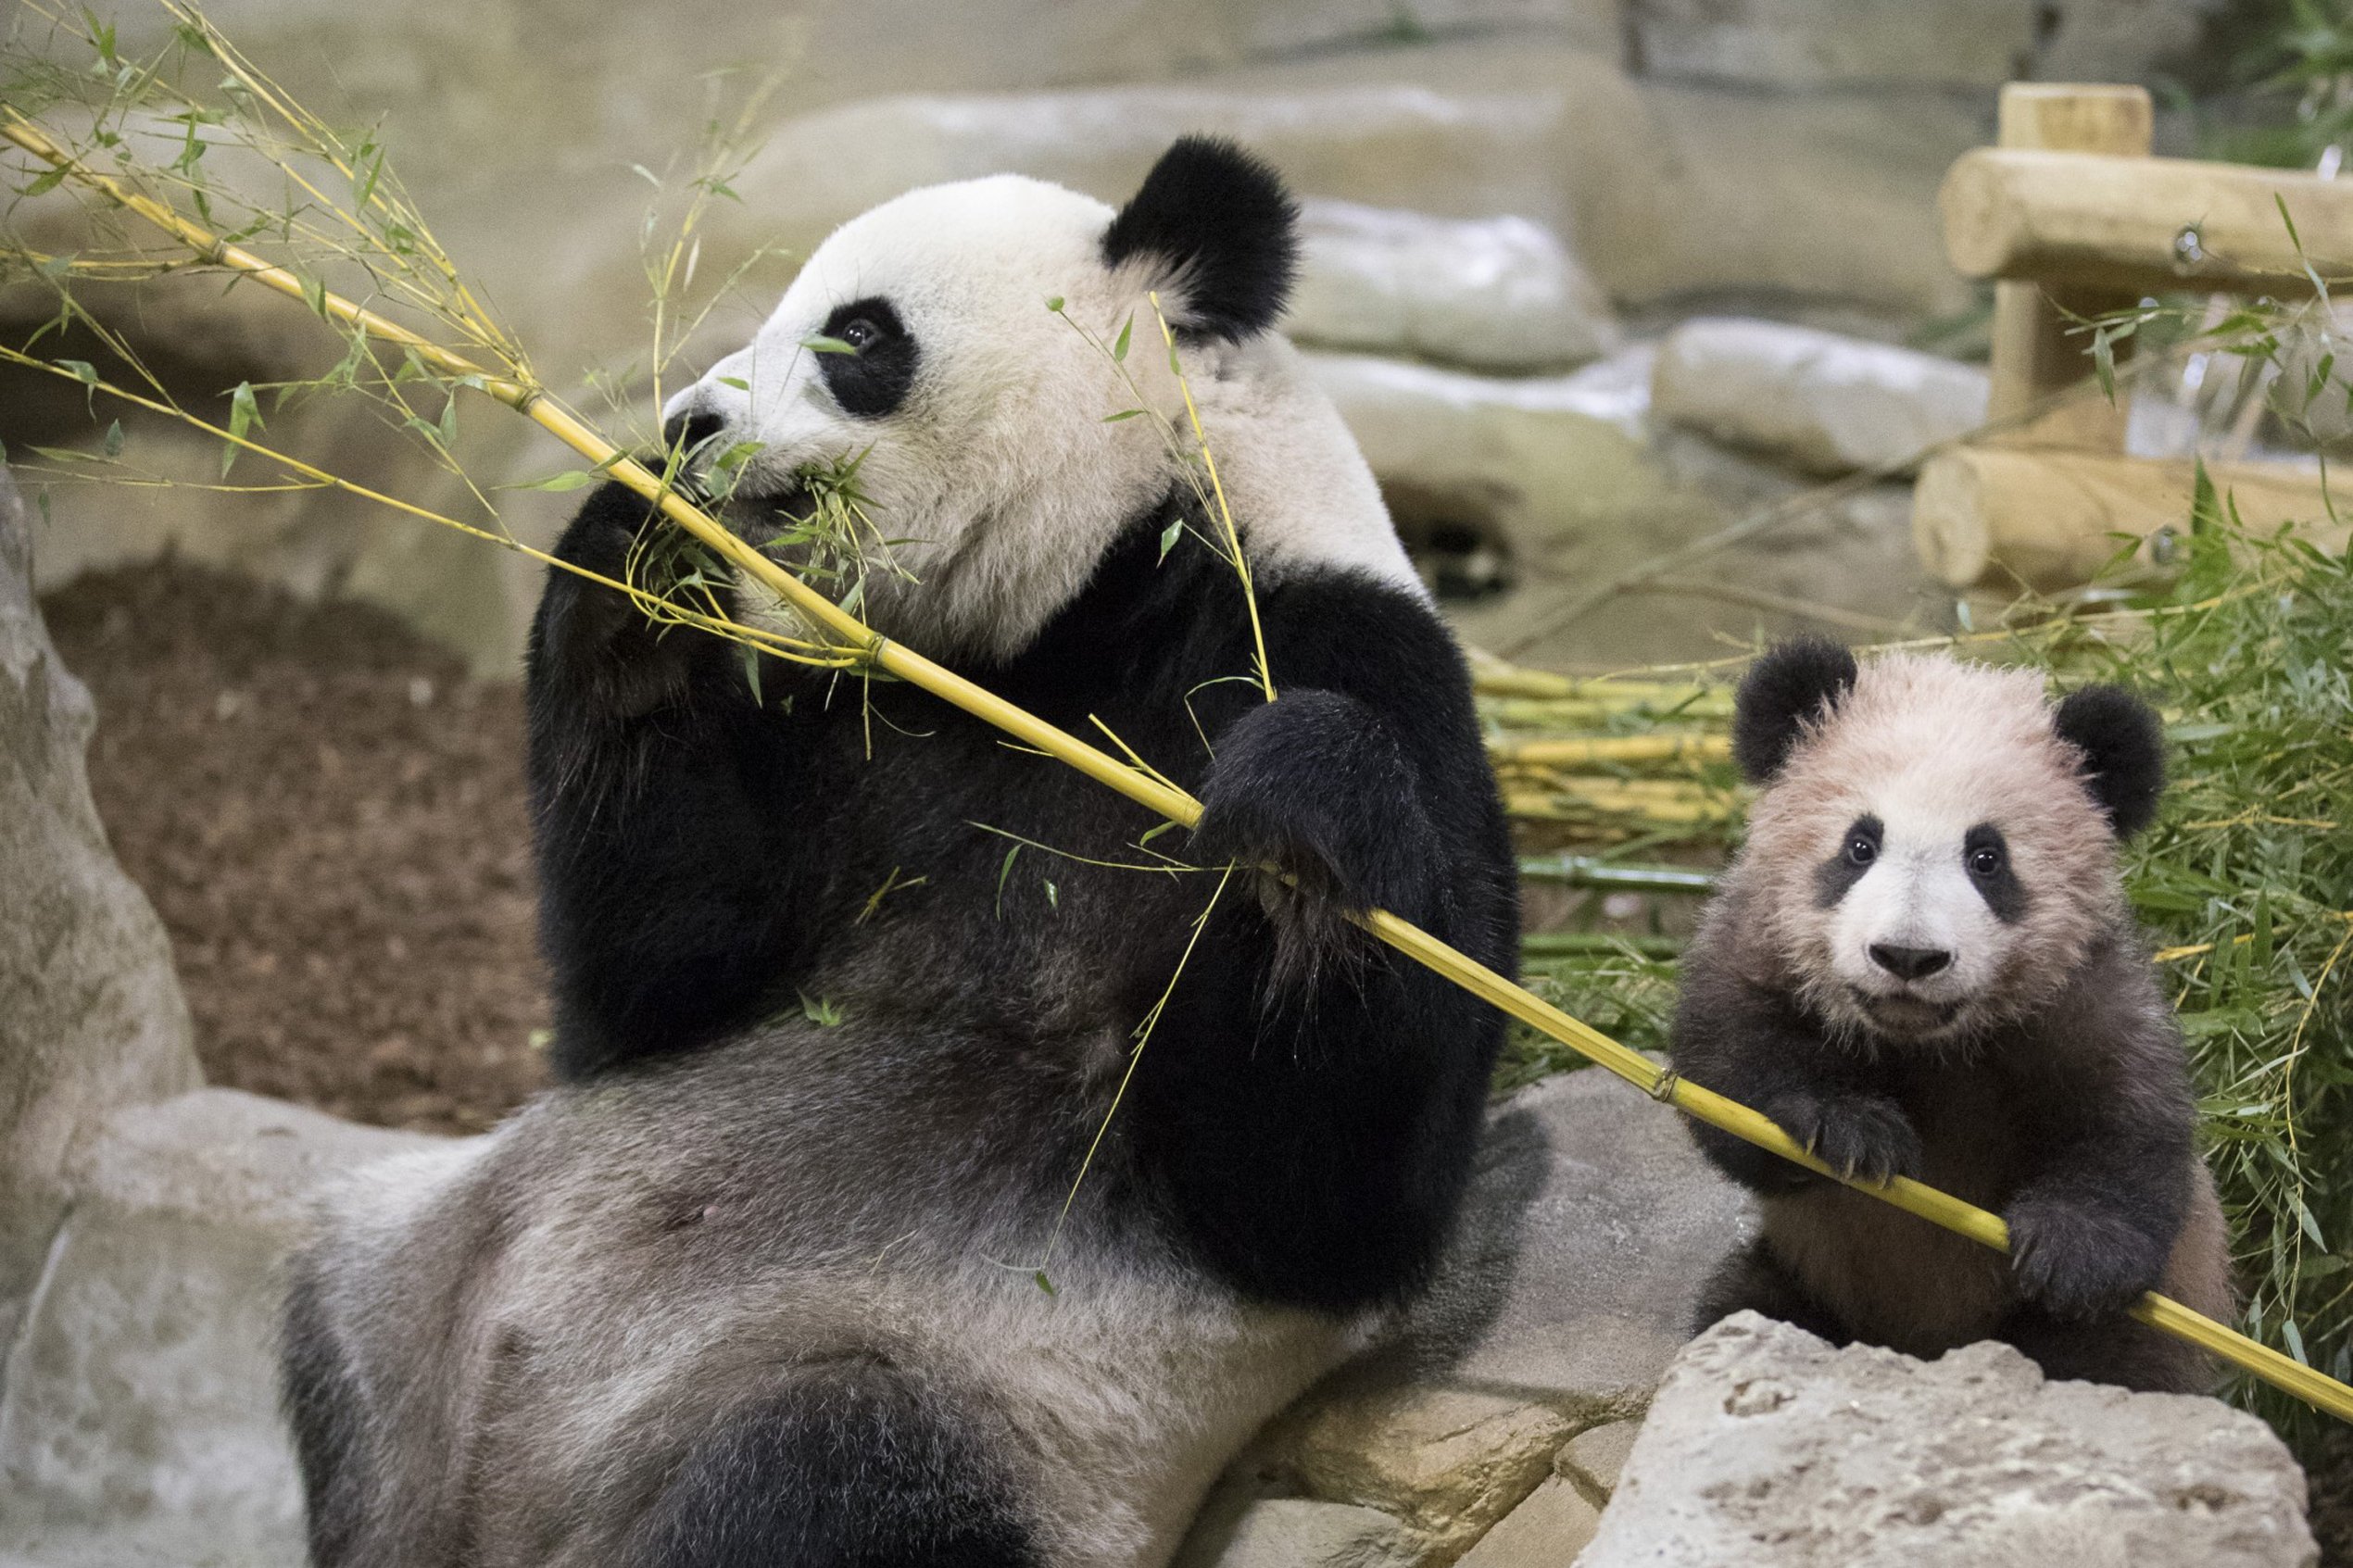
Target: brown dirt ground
x=330 y=817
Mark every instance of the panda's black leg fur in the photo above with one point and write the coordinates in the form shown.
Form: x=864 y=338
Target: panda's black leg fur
x=2114 y=1348
x=654 y=778
x=1752 y=1280
x=851 y=1466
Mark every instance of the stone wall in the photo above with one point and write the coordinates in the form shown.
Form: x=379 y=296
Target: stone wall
x=1672 y=152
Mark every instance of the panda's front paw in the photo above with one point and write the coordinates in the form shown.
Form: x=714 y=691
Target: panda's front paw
x=1314 y=785
x=1861 y=1135
x=2077 y=1260
x=592 y=640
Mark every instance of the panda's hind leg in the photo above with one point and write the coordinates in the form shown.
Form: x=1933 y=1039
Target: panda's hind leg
x=1752 y=1279
x=2110 y=1349
x=852 y=1465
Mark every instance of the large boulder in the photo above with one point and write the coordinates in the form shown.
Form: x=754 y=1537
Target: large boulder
x=140 y=1425
x=1813 y=43
x=1816 y=400
x=1768 y=1448
x=93 y=1018
x=1496 y=294
x=1953 y=44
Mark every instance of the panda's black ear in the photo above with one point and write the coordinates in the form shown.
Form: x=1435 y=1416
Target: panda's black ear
x=2123 y=745
x=1790 y=682
x=1220 y=222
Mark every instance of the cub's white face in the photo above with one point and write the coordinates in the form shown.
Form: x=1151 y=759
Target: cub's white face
x=983 y=415
x=1934 y=864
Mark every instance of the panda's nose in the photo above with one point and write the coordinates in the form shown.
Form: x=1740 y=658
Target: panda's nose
x=690 y=428
x=1909 y=963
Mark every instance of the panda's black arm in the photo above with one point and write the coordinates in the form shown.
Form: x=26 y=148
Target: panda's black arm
x=1319 y=1096
x=1754 y=1046
x=2103 y=1090
x=663 y=885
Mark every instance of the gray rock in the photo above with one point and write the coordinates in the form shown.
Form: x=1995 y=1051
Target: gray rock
x=1592 y=1223
x=140 y=1422
x=1495 y=293
x=2121 y=40
x=1765 y=1446
x=1594 y=1460
x=1548 y=471
x=1298 y=1533
x=1547 y=1531
x=93 y=1017
x=1814 y=399
x=1811 y=43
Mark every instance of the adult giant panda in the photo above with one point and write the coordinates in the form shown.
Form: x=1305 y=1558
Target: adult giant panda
x=760 y=1281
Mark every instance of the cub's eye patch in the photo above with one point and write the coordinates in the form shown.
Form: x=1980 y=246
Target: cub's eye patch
x=1986 y=854
x=1858 y=851
x=874 y=378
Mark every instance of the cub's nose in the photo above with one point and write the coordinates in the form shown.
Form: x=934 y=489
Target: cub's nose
x=1909 y=963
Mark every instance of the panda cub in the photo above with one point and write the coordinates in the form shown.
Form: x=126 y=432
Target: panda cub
x=789 y=1268
x=1922 y=964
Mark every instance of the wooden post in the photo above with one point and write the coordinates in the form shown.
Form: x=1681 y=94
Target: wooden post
x=2034 y=356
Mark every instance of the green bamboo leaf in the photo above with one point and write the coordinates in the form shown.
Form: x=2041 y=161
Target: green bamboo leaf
x=244 y=414
x=571 y=479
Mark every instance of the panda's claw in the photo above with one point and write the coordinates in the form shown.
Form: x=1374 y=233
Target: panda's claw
x=1861 y=1136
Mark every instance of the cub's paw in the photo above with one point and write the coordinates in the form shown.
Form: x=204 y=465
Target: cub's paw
x=2077 y=1261
x=1314 y=785
x=1857 y=1135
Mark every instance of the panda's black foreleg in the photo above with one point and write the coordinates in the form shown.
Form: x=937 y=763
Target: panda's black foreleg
x=1730 y=1037
x=653 y=773
x=1315 y=1098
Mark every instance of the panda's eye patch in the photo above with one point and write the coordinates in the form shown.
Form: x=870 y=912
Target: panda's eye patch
x=873 y=378
x=1856 y=854
x=1987 y=856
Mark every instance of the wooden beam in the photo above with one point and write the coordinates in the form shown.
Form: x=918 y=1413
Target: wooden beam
x=2047 y=519
x=2036 y=355
x=2143 y=224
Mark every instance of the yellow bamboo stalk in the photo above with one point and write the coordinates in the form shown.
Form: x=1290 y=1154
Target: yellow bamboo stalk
x=1596 y=750
x=1939 y=1208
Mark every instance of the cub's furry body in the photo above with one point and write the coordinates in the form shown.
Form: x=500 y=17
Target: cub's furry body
x=759 y=1281
x=2020 y=1054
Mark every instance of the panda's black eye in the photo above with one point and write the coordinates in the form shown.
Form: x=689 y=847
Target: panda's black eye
x=1985 y=861
x=1861 y=850
x=875 y=377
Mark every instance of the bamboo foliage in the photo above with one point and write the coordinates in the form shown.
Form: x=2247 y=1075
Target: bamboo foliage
x=379 y=224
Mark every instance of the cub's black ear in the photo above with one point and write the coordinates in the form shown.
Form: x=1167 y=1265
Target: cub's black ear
x=1220 y=222
x=2123 y=746
x=1790 y=682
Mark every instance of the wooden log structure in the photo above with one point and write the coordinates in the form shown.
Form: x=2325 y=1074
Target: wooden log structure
x=2155 y=225
x=2072 y=218
x=2047 y=519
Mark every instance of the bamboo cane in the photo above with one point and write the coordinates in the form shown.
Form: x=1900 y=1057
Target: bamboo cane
x=1729 y=1116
